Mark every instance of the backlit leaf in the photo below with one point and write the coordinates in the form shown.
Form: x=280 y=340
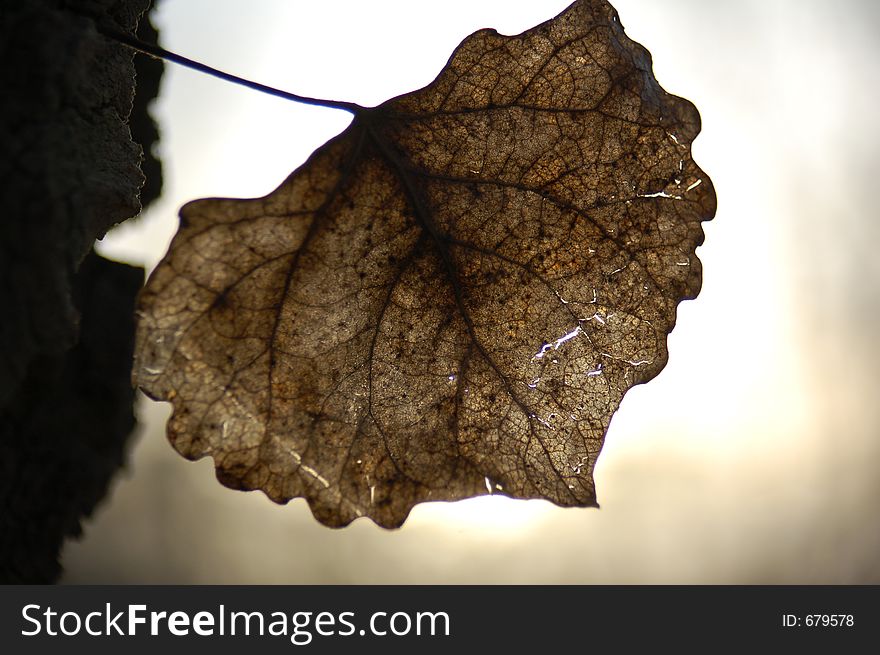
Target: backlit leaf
x=448 y=299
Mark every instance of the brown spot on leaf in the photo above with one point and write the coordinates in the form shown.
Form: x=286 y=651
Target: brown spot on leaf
x=460 y=286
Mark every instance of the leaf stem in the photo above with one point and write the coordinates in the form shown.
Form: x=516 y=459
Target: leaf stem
x=158 y=52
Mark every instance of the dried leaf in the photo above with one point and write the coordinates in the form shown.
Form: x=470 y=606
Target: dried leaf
x=448 y=299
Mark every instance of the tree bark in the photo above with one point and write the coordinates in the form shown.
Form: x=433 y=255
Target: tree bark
x=70 y=170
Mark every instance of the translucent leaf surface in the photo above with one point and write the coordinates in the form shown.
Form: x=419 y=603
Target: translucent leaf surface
x=448 y=299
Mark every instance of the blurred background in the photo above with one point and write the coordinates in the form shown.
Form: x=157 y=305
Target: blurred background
x=753 y=458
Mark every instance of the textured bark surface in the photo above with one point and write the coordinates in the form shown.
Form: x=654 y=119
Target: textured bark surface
x=70 y=171
x=450 y=298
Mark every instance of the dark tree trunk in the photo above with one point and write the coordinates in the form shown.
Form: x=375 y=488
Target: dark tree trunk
x=70 y=170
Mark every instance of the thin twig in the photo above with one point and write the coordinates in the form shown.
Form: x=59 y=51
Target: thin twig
x=160 y=53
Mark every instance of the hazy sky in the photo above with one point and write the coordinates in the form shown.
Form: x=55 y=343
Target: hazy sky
x=753 y=456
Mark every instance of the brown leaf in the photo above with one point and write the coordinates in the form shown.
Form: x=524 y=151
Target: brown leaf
x=448 y=299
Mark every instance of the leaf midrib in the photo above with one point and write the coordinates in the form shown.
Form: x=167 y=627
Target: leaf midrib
x=424 y=218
